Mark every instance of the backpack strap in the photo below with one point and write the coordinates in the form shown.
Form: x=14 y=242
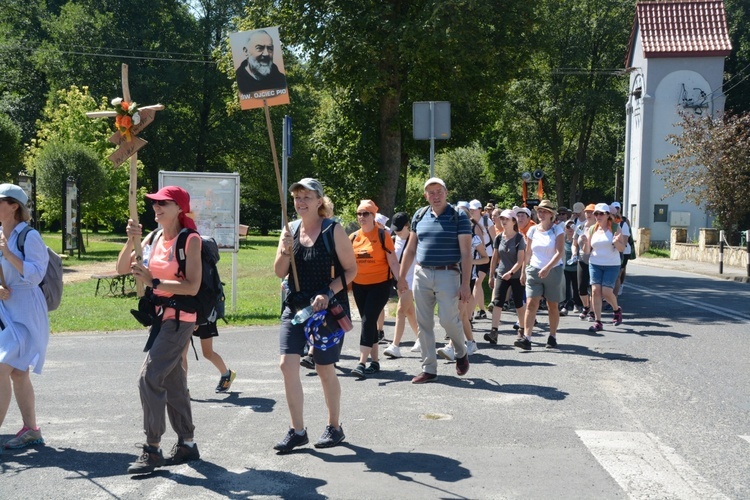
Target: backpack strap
x=180 y=249
x=419 y=217
x=21 y=241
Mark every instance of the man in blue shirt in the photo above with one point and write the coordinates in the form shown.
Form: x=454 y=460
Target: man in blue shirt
x=442 y=249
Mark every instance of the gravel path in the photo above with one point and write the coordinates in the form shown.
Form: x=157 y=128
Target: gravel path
x=82 y=272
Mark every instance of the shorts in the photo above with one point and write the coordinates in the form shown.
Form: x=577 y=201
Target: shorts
x=292 y=340
x=483 y=268
x=551 y=288
x=207 y=331
x=606 y=276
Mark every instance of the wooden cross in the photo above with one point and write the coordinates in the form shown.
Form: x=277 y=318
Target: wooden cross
x=128 y=148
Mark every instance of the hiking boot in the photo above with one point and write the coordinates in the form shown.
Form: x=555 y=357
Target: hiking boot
x=618 y=317
x=416 y=347
x=447 y=352
x=291 y=441
x=225 y=382
x=307 y=362
x=182 y=453
x=25 y=437
x=330 y=437
x=423 y=378
x=392 y=351
x=150 y=459
x=462 y=365
x=584 y=313
x=596 y=327
x=551 y=342
x=359 y=371
x=523 y=343
x=471 y=347
x=373 y=368
x=481 y=314
x=492 y=336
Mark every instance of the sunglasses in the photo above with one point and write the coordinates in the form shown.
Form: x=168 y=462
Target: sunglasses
x=363 y=214
x=597 y=214
x=161 y=203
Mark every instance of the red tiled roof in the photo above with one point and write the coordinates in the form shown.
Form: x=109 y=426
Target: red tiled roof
x=681 y=29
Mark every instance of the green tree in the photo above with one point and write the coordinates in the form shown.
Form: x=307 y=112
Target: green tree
x=11 y=151
x=465 y=172
x=710 y=167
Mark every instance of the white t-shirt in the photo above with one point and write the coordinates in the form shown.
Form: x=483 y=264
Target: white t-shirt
x=603 y=252
x=625 y=230
x=543 y=245
x=400 y=245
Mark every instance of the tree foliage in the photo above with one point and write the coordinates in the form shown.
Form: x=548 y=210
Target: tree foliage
x=711 y=167
x=11 y=151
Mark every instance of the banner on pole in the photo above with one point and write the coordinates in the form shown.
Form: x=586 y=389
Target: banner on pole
x=259 y=68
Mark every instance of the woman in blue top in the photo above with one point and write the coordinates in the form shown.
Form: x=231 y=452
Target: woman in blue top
x=23 y=313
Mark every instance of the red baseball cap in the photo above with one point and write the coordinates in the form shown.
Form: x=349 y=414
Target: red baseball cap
x=179 y=196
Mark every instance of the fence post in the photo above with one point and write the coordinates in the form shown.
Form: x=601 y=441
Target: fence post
x=747 y=242
x=721 y=252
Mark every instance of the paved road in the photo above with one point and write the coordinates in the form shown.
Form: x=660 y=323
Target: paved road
x=655 y=408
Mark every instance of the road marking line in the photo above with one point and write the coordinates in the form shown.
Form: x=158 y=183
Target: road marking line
x=644 y=467
x=746 y=438
x=721 y=311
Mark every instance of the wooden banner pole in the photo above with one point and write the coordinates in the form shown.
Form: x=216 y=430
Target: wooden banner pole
x=281 y=188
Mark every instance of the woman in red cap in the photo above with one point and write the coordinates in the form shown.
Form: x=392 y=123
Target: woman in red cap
x=163 y=381
x=376 y=265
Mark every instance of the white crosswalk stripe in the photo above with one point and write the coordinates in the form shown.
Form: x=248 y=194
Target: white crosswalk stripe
x=644 y=467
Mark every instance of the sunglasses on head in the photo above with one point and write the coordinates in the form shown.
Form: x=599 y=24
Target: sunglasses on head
x=363 y=214
x=161 y=203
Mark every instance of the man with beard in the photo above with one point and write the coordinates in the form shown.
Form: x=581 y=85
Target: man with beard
x=258 y=71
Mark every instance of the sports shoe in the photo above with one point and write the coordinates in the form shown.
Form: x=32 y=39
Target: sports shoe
x=481 y=314
x=182 y=453
x=490 y=307
x=423 y=378
x=516 y=326
x=25 y=437
x=596 y=327
x=225 y=382
x=563 y=311
x=492 y=336
x=307 y=362
x=359 y=371
x=330 y=437
x=447 y=352
x=591 y=317
x=416 y=347
x=551 y=342
x=381 y=336
x=618 y=317
x=373 y=368
x=291 y=441
x=392 y=351
x=150 y=459
x=462 y=365
x=584 y=313
x=471 y=347
x=523 y=343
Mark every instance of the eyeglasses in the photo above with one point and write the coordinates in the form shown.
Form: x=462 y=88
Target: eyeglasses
x=363 y=214
x=597 y=214
x=161 y=203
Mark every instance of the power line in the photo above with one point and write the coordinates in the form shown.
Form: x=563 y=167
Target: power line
x=8 y=48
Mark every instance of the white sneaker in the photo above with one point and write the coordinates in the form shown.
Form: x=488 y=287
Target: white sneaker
x=471 y=347
x=447 y=352
x=416 y=347
x=392 y=351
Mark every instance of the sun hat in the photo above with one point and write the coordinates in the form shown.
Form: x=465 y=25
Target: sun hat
x=13 y=191
x=547 y=205
x=519 y=210
x=367 y=206
x=578 y=207
x=434 y=180
x=589 y=208
x=181 y=198
x=508 y=214
x=462 y=204
x=381 y=219
x=308 y=183
x=601 y=207
x=475 y=205
x=399 y=221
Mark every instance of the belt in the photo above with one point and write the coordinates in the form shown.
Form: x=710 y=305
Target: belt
x=450 y=267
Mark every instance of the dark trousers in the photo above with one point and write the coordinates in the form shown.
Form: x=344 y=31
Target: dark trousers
x=583 y=278
x=370 y=300
x=571 y=290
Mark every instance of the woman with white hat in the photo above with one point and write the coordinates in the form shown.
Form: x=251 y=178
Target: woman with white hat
x=24 y=322
x=604 y=241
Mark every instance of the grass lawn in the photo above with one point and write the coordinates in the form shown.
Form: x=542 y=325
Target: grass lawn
x=258 y=288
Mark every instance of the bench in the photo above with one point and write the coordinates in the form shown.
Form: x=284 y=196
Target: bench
x=114 y=282
x=242 y=231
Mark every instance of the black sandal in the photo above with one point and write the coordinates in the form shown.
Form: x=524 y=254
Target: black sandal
x=373 y=368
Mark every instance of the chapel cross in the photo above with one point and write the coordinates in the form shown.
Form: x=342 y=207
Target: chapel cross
x=129 y=144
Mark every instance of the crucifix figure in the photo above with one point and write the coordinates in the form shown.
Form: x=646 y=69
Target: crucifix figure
x=129 y=144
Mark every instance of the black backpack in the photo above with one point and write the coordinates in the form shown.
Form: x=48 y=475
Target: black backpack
x=209 y=302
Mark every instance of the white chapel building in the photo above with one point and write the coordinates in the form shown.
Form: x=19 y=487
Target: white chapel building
x=676 y=62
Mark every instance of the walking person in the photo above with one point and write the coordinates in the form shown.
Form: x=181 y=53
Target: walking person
x=605 y=242
x=206 y=334
x=506 y=269
x=487 y=235
x=572 y=299
x=24 y=323
x=163 y=382
x=584 y=278
x=544 y=273
x=405 y=310
x=442 y=249
x=376 y=266
x=318 y=286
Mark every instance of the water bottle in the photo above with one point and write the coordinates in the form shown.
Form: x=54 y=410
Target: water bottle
x=302 y=315
x=146 y=253
x=572 y=260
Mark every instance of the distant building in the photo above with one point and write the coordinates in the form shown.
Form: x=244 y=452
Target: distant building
x=676 y=62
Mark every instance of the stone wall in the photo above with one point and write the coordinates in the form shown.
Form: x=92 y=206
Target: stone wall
x=707 y=249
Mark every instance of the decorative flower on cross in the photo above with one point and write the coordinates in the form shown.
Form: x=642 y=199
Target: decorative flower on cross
x=127 y=116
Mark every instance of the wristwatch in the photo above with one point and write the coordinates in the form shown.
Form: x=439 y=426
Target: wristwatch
x=155 y=282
